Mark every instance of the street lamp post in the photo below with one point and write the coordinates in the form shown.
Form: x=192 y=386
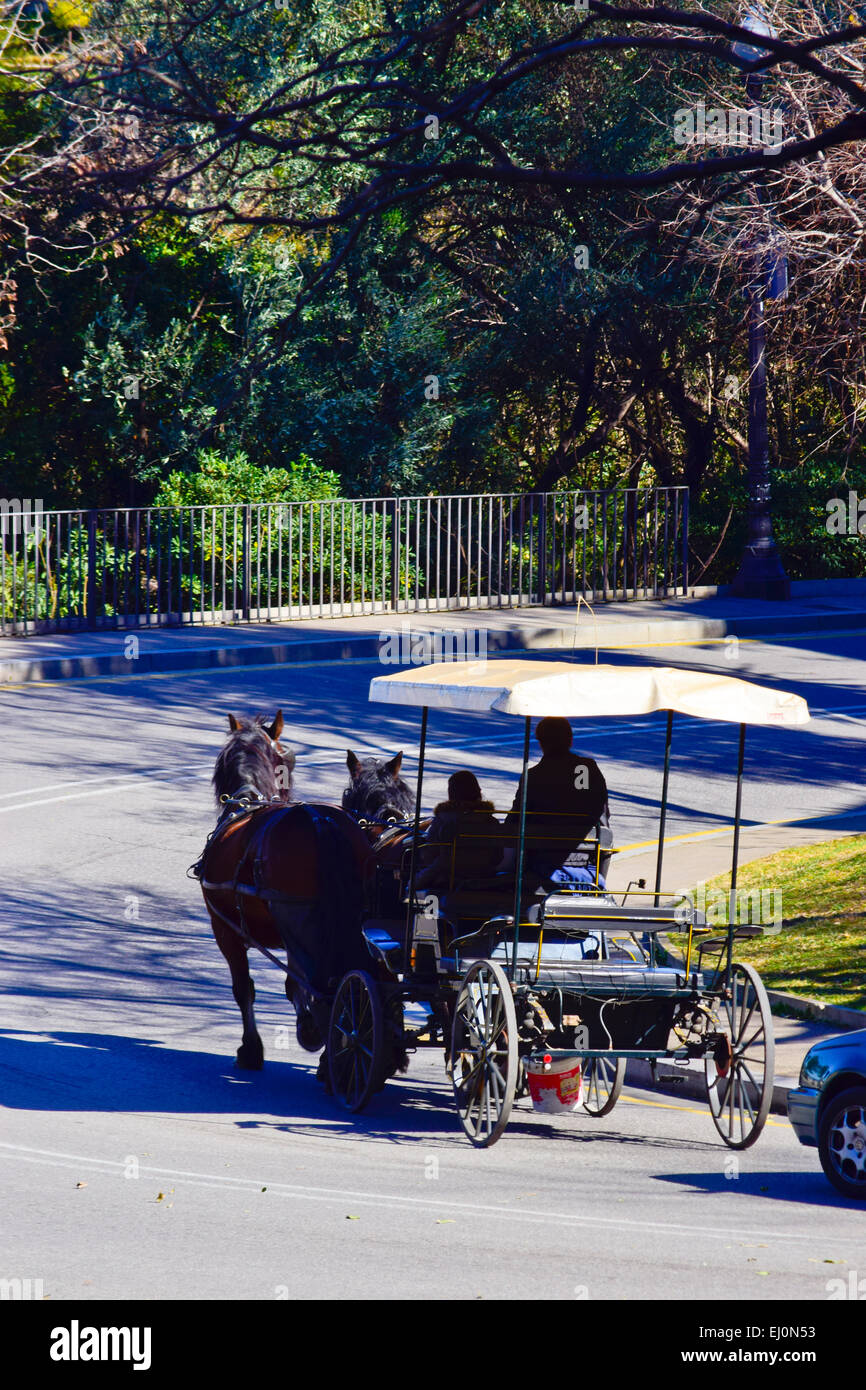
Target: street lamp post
x=761 y=574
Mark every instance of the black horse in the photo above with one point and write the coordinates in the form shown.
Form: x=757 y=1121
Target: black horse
x=377 y=793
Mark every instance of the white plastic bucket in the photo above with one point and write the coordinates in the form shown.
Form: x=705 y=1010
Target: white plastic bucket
x=555 y=1087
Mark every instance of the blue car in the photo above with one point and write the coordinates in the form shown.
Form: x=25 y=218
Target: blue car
x=828 y=1109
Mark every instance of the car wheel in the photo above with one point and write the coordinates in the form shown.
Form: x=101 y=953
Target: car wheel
x=842 y=1142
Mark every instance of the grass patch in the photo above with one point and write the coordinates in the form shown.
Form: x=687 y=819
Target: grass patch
x=821 y=951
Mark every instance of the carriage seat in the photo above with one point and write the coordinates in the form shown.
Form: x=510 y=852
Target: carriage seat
x=563 y=967
x=384 y=938
x=603 y=914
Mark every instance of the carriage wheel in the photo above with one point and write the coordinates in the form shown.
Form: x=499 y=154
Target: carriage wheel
x=356 y=1041
x=602 y=1083
x=740 y=1069
x=484 y=1052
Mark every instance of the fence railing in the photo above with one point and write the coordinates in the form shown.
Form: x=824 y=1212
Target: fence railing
x=62 y=570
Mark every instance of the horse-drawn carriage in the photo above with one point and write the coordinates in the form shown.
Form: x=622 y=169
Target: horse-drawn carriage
x=550 y=988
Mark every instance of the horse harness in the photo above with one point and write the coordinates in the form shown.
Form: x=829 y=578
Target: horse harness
x=245 y=803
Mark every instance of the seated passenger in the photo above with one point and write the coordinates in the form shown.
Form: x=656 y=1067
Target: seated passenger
x=566 y=798
x=464 y=839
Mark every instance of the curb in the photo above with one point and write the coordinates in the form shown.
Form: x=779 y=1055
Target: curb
x=817 y=1012
x=188 y=659
x=517 y=637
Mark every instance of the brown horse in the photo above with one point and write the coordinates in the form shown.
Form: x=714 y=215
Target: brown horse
x=281 y=876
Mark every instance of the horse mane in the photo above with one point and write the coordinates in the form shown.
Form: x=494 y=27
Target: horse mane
x=248 y=759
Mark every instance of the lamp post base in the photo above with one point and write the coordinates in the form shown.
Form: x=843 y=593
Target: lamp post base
x=761 y=575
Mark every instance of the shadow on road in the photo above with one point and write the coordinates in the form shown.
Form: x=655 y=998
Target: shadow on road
x=101 y=1072
x=810 y=1188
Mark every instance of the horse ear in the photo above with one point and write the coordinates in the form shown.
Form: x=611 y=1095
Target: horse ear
x=277 y=727
x=353 y=764
x=233 y=724
x=394 y=765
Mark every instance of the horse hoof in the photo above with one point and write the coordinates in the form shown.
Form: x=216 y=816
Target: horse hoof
x=250 y=1061
x=323 y=1074
x=308 y=1034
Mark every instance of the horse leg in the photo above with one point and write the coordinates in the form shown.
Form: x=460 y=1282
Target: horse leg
x=251 y=1054
x=323 y=1075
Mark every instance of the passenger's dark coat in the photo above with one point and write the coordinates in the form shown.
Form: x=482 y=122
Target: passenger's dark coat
x=468 y=833
x=566 y=798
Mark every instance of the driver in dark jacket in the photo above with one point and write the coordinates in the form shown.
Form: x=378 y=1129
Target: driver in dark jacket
x=566 y=798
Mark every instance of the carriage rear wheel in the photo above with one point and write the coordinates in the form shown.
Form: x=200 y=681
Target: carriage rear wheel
x=356 y=1041
x=740 y=1069
x=484 y=1052
x=602 y=1083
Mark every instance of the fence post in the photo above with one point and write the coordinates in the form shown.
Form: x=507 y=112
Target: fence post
x=246 y=561
x=395 y=552
x=542 y=551
x=91 y=568
x=686 y=543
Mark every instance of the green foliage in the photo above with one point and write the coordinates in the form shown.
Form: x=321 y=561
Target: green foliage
x=219 y=481
x=799 y=498
x=177 y=366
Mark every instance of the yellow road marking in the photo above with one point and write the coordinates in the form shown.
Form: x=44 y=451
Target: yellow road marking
x=724 y=829
x=688 y=1109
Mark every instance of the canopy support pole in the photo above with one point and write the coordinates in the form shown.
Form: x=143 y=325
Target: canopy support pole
x=664 y=809
x=518 y=880
x=407 y=945
x=732 y=904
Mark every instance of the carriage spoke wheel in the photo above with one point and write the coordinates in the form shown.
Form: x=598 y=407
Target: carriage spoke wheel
x=484 y=1052
x=602 y=1083
x=356 y=1041
x=739 y=1070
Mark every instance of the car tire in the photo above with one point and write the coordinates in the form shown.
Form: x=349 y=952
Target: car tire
x=842 y=1142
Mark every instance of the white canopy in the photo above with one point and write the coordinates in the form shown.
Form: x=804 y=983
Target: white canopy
x=537 y=688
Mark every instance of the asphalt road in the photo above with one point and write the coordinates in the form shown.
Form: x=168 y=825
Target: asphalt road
x=138 y=1163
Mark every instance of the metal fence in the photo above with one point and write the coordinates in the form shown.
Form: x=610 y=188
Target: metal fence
x=66 y=570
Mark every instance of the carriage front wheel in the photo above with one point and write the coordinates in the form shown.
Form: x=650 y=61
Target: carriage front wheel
x=740 y=1068
x=484 y=1052
x=356 y=1040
